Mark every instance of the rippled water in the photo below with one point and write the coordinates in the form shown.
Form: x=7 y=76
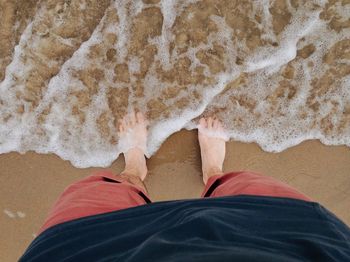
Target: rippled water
x=275 y=72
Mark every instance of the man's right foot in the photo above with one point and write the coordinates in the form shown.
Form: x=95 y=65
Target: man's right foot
x=212 y=140
x=133 y=137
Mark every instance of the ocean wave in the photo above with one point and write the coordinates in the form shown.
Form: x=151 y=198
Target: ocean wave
x=275 y=72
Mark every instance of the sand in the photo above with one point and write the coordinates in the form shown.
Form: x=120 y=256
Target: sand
x=79 y=66
x=32 y=182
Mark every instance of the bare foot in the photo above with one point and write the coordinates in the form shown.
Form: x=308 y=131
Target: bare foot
x=212 y=140
x=133 y=140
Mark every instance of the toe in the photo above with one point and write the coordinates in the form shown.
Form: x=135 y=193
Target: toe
x=121 y=125
x=132 y=118
x=121 y=128
x=220 y=126
x=210 y=123
x=128 y=121
x=120 y=122
x=203 y=122
x=140 y=118
x=216 y=124
x=125 y=123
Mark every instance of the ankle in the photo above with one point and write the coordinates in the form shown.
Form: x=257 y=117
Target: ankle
x=135 y=180
x=135 y=163
x=213 y=171
x=138 y=170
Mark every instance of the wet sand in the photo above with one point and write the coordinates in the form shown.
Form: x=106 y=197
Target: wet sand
x=32 y=182
x=80 y=65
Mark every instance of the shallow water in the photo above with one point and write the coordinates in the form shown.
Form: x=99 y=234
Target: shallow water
x=275 y=72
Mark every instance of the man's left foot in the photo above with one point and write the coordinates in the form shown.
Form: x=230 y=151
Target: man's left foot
x=133 y=138
x=212 y=141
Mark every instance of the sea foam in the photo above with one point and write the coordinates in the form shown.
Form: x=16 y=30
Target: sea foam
x=276 y=73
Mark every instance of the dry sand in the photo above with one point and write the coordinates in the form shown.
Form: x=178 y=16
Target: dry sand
x=32 y=182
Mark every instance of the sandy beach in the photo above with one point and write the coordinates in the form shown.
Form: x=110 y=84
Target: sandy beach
x=32 y=182
x=276 y=73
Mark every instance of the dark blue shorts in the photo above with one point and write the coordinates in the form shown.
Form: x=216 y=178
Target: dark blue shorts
x=235 y=228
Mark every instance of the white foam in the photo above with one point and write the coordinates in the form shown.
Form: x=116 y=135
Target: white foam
x=273 y=60
x=127 y=141
x=83 y=144
x=223 y=134
x=21 y=214
x=123 y=29
x=134 y=65
x=160 y=131
x=9 y=213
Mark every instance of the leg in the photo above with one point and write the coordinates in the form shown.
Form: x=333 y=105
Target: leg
x=133 y=136
x=212 y=143
x=104 y=192
x=211 y=138
x=99 y=193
